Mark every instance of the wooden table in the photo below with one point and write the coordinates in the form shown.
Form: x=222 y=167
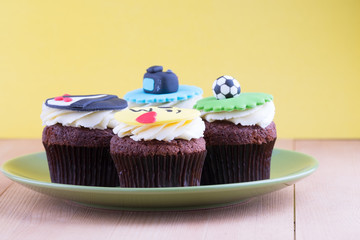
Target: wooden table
x=325 y=205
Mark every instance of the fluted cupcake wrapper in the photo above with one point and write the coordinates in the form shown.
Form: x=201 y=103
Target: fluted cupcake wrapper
x=158 y=170
x=237 y=163
x=89 y=166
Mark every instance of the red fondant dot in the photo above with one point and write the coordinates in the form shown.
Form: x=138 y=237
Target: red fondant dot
x=58 y=98
x=67 y=99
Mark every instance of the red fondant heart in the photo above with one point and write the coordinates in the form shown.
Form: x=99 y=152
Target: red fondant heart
x=148 y=117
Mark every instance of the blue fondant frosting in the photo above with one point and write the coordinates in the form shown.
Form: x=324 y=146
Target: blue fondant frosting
x=184 y=92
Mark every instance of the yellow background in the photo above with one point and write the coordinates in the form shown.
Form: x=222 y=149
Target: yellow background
x=305 y=53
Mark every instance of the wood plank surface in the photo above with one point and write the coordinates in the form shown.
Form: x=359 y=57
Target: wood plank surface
x=328 y=202
x=25 y=214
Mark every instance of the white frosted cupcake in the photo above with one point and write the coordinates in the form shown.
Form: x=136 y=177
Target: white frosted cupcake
x=158 y=147
x=77 y=138
x=240 y=133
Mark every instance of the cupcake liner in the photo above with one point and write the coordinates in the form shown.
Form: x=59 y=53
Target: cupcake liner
x=159 y=170
x=89 y=166
x=237 y=163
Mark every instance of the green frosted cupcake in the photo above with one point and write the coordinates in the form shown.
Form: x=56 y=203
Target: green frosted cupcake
x=240 y=134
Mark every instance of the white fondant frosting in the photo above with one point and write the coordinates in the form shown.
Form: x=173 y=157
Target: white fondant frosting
x=87 y=119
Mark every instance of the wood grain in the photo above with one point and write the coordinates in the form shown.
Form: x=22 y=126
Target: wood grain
x=26 y=214
x=328 y=202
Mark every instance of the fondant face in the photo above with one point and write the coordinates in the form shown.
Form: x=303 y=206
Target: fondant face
x=87 y=102
x=156 y=81
x=155 y=115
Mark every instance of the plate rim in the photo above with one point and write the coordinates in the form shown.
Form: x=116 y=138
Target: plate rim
x=204 y=188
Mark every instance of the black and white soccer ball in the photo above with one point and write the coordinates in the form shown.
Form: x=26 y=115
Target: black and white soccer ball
x=226 y=87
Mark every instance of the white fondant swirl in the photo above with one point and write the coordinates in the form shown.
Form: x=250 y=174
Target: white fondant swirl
x=261 y=115
x=91 y=119
x=164 y=132
x=189 y=103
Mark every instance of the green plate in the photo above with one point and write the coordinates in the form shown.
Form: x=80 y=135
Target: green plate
x=287 y=167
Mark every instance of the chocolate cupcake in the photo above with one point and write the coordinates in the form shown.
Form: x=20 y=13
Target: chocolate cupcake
x=240 y=134
x=77 y=138
x=158 y=147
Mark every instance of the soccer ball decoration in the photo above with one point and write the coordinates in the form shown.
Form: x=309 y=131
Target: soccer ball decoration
x=226 y=87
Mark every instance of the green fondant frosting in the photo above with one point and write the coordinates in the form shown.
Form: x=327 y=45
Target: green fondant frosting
x=242 y=102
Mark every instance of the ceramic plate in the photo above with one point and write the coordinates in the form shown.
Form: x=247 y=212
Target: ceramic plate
x=287 y=167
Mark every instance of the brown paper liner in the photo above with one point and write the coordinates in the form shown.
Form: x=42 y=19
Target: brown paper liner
x=158 y=170
x=237 y=163
x=89 y=166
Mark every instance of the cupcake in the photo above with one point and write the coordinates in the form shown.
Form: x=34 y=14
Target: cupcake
x=158 y=147
x=240 y=134
x=77 y=138
x=162 y=89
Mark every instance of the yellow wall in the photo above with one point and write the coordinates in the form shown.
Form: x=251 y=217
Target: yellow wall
x=305 y=53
